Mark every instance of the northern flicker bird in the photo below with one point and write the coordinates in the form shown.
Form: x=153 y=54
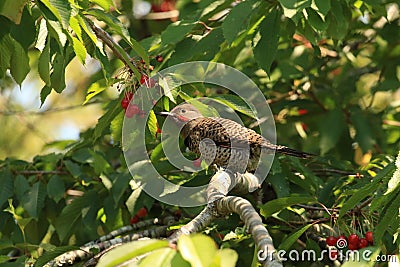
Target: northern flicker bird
x=224 y=142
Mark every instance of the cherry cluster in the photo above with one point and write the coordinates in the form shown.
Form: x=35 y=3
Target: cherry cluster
x=353 y=242
x=142 y=212
x=131 y=109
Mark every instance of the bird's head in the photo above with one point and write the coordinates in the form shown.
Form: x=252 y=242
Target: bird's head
x=183 y=113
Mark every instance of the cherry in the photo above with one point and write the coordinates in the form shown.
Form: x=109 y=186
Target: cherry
x=353 y=239
x=333 y=254
x=302 y=111
x=197 y=163
x=363 y=243
x=370 y=237
x=159 y=58
x=149 y=82
x=331 y=240
x=129 y=96
x=132 y=110
x=124 y=103
x=135 y=219
x=142 y=212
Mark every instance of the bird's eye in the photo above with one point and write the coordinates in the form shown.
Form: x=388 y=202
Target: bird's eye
x=183 y=111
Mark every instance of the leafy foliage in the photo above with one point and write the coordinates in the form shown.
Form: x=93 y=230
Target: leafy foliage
x=329 y=69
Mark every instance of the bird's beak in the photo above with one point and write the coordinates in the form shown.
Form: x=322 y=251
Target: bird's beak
x=164 y=113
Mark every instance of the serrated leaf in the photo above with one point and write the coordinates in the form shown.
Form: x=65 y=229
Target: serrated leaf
x=152 y=123
x=57 y=32
x=70 y=215
x=322 y=6
x=161 y=257
x=44 y=65
x=288 y=242
x=267 y=47
x=19 y=63
x=197 y=249
x=364 y=135
x=236 y=103
x=84 y=25
x=105 y=4
x=6 y=186
x=57 y=77
x=80 y=50
x=330 y=129
x=73 y=168
x=33 y=201
x=176 y=31
x=119 y=186
x=61 y=9
x=129 y=251
x=21 y=186
x=366 y=190
x=276 y=205
x=116 y=127
x=390 y=215
x=99 y=163
x=12 y=9
x=316 y=21
x=105 y=120
x=56 y=188
x=237 y=19
x=138 y=48
x=93 y=90
x=46 y=90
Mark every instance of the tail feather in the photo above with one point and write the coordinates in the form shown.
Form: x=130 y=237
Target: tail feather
x=292 y=152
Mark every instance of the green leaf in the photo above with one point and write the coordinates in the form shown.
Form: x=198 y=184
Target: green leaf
x=386 y=221
x=330 y=129
x=105 y=4
x=94 y=89
x=322 y=6
x=152 y=123
x=44 y=65
x=367 y=190
x=105 y=120
x=138 y=48
x=21 y=186
x=226 y=258
x=12 y=9
x=161 y=258
x=119 y=186
x=116 y=127
x=238 y=19
x=276 y=205
x=6 y=186
x=129 y=251
x=236 y=103
x=70 y=215
x=56 y=188
x=80 y=50
x=57 y=77
x=316 y=21
x=61 y=9
x=73 y=168
x=176 y=31
x=364 y=135
x=197 y=249
x=33 y=201
x=19 y=63
x=46 y=90
x=267 y=47
x=285 y=245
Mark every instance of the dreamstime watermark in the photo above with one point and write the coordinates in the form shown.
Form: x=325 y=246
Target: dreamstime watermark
x=172 y=82
x=333 y=254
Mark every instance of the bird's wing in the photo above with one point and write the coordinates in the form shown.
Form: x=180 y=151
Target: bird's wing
x=223 y=132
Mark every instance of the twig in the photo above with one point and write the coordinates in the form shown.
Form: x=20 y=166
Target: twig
x=39 y=172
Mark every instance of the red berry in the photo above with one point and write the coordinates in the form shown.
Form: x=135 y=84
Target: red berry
x=341 y=242
x=129 y=96
x=363 y=243
x=353 y=239
x=142 y=212
x=331 y=241
x=370 y=237
x=135 y=219
x=197 y=163
x=159 y=58
x=132 y=110
x=124 y=103
x=353 y=246
x=149 y=82
x=303 y=111
x=142 y=114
